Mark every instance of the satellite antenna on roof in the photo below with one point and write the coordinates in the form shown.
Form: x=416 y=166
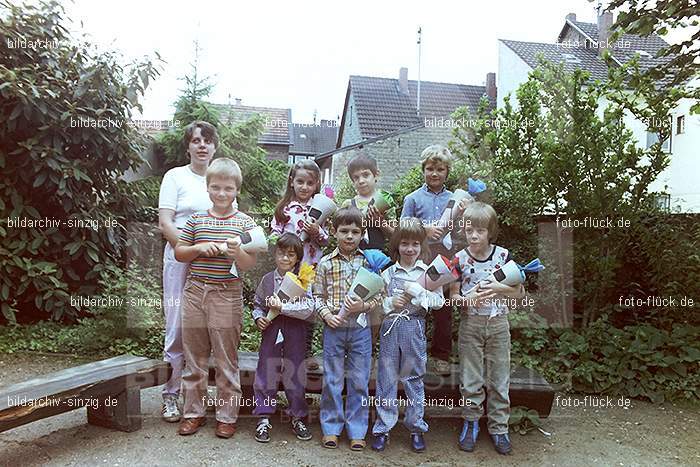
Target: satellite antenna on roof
x=418 y=91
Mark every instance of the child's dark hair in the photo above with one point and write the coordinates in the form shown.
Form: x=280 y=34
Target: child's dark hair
x=347 y=216
x=361 y=162
x=207 y=129
x=305 y=164
x=289 y=240
x=409 y=228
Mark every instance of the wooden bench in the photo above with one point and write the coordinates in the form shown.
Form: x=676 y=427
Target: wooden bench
x=527 y=387
x=110 y=389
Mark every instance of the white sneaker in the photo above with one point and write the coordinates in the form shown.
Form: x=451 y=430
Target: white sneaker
x=170 y=411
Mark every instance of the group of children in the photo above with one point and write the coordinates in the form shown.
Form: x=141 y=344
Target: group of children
x=212 y=309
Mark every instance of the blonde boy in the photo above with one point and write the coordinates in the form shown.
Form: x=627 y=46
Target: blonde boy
x=427 y=204
x=484 y=332
x=212 y=301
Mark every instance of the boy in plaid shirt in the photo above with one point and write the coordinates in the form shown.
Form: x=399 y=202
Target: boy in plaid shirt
x=334 y=276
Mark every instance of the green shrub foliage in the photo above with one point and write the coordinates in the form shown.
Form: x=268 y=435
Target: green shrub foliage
x=65 y=111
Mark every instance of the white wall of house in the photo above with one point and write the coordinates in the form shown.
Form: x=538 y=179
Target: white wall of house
x=680 y=177
x=512 y=72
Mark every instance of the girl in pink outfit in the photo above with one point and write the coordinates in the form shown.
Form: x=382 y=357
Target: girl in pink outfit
x=290 y=214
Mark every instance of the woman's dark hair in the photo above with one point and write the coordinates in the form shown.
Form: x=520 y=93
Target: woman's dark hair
x=208 y=131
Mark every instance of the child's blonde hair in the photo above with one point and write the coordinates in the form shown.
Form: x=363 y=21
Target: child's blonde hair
x=436 y=153
x=226 y=168
x=481 y=215
x=409 y=228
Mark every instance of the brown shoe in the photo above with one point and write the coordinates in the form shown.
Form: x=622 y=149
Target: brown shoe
x=225 y=430
x=190 y=426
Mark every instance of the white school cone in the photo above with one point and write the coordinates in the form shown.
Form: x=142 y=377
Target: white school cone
x=251 y=241
x=440 y=272
x=320 y=209
x=509 y=274
x=450 y=213
x=365 y=286
x=288 y=291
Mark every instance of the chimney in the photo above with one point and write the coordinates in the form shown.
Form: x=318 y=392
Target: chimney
x=605 y=21
x=571 y=16
x=238 y=101
x=403 y=81
x=491 y=85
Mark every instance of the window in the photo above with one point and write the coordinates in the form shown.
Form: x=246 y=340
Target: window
x=571 y=58
x=680 y=124
x=663 y=201
x=294 y=158
x=652 y=138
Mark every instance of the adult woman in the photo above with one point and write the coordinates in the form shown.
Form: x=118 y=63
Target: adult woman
x=182 y=192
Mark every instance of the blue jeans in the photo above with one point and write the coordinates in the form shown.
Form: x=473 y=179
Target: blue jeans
x=347 y=359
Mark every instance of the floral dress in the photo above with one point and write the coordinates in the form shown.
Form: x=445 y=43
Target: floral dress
x=297 y=215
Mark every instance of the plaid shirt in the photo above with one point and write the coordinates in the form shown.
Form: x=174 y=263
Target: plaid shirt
x=334 y=276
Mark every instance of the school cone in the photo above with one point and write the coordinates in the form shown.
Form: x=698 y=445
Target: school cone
x=379 y=202
x=474 y=187
x=321 y=208
x=251 y=241
x=288 y=291
x=511 y=273
x=365 y=286
x=440 y=272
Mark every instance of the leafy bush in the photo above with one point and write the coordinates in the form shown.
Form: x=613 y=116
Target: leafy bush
x=638 y=360
x=57 y=163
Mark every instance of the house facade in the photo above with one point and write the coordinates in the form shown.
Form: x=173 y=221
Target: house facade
x=580 y=45
x=383 y=118
x=276 y=138
x=311 y=139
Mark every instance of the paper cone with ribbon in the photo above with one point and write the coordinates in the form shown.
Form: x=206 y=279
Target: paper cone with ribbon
x=511 y=273
x=320 y=209
x=440 y=272
x=250 y=241
x=294 y=286
x=367 y=282
x=380 y=201
x=365 y=286
x=474 y=187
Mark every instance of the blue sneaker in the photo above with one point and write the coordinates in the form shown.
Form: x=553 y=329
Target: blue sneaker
x=380 y=441
x=417 y=442
x=502 y=444
x=467 y=439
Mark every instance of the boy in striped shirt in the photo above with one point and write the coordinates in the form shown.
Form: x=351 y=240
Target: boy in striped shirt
x=212 y=313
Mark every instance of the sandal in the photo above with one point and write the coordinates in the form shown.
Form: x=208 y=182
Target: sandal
x=357 y=444
x=330 y=441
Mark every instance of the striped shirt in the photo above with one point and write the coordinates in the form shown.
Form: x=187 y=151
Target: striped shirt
x=334 y=276
x=204 y=227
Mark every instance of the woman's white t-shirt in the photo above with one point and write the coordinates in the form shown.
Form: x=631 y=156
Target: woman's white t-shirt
x=184 y=192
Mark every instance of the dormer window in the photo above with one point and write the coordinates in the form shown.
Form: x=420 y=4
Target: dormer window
x=643 y=53
x=571 y=58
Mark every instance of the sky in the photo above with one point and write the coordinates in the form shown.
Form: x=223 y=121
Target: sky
x=299 y=54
